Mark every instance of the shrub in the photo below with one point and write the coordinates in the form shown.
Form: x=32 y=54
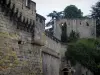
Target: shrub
x=86 y=52
x=73 y=36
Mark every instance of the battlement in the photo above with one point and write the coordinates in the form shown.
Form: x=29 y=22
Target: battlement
x=21 y=12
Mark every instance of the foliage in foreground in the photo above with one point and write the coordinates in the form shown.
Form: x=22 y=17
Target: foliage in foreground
x=87 y=53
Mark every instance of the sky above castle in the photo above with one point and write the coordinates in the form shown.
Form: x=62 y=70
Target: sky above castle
x=46 y=6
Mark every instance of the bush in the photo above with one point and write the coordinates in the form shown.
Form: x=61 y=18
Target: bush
x=73 y=36
x=86 y=52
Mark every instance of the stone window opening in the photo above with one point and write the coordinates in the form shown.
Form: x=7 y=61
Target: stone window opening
x=87 y=23
x=28 y=3
x=19 y=42
x=65 y=71
x=40 y=20
x=80 y=23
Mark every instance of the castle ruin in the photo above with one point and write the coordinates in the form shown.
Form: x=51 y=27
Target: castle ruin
x=25 y=48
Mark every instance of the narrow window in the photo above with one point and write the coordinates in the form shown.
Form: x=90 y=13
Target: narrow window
x=28 y=3
x=40 y=20
x=19 y=42
x=87 y=23
x=80 y=23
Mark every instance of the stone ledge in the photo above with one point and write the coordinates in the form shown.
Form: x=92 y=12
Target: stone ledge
x=50 y=52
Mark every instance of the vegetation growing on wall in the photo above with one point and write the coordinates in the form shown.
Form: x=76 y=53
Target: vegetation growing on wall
x=73 y=36
x=8 y=59
x=87 y=53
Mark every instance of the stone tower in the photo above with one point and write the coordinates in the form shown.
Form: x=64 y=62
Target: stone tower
x=20 y=53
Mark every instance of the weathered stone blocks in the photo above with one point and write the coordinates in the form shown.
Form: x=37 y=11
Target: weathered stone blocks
x=18 y=56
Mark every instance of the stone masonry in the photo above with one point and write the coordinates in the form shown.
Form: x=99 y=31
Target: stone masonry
x=25 y=49
x=19 y=55
x=85 y=27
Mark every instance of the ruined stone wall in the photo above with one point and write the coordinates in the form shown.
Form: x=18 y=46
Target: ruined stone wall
x=85 y=27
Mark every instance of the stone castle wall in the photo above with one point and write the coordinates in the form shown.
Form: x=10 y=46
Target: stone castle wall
x=28 y=13
x=51 y=57
x=51 y=64
x=24 y=51
x=50 y=49
x=85 y=27
x=24 y=47
x=18 y=54
x=55 y=46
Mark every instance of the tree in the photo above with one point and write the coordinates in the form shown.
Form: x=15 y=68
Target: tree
x=56 y=15
x=64 y=33
x=73 y=36
x=72 y=11
x=96 y=15
x=52 y=14
x=87 y=53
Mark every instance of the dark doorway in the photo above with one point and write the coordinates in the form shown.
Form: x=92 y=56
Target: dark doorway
x=65 y=71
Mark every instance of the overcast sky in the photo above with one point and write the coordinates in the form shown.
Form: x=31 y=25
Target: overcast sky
x=46 y=6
